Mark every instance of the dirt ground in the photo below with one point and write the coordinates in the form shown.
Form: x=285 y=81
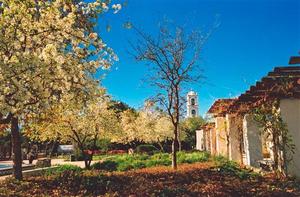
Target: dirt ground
x=199 y=179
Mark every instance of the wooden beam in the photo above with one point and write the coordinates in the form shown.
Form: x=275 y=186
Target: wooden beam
x=294 y=60
x=286 y=68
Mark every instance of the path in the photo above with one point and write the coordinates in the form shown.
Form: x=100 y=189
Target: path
x=53 y=163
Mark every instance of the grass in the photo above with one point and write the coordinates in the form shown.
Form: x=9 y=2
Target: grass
x=60 y=169
x=137 y=161
x=101 y=157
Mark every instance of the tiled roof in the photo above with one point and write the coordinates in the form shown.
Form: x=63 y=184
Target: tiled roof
x=208 y=126
x=294 y=60
x=220 y=106
x=282 y=82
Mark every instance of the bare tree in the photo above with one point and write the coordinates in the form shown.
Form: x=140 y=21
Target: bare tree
x=172 y=58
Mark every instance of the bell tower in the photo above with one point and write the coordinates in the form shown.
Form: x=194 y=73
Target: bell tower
x=192 y=106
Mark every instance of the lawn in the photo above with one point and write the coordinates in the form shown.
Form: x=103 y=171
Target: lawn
x=126 y=162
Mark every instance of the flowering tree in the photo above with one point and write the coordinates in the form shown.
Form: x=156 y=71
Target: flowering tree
x=45 y=57
x=146 y=126
x=81 y=123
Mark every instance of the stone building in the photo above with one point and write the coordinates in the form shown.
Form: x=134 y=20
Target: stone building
x=218 y=112
x=239 y=136
x=282 y=84
x=206 y=138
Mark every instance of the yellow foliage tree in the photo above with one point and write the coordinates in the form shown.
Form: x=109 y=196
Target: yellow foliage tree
x=45 y=57
x=149 y=126
x=81 y=123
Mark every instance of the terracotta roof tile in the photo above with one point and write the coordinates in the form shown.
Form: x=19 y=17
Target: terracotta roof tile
x=220 y=106
x=282 y=82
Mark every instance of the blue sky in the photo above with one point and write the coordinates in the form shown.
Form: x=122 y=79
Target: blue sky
x=253 y=37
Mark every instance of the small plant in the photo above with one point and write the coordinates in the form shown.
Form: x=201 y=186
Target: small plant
x=192 y=157
x=107 y=165
x=63 y=168
x=138 y=164
x=219 y=159
x=158 y=162
x=124 y=166
x=232 y=168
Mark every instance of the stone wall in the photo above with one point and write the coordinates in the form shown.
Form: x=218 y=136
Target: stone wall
x=234 y=128
x=221 y=136
x=252 y=141
x=200 y=143
x=207 y=140
x=213 y=145
x=290 y=112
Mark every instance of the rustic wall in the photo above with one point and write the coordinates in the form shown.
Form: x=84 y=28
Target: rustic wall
x=221 y=136
x=207 y=140
x=234 y=125
x=290 y=112
x=252 y=141
x=200 y=143
x=213 y=145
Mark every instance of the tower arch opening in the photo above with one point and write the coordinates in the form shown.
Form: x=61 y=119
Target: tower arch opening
x=193 y=101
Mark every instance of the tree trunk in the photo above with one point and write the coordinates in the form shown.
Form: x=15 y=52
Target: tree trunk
x=54 y=147
x=86 y=162
x=10 y=149
x=87 y=159
x=175 y=123
x=160 y=146
x=16 y=146
x=90 y=158
x=179 y=142
x=174 y=150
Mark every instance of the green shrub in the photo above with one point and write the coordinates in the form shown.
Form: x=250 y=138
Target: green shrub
x=158 y=162
x=232 y=168
x=145 y=148
x=219 y=159
x=104 y=144
x=100 y=157
x=62 y=169
x=124 y=166
x=142 y=157
x=139 y=164
x=229 y=167
x=159 y=156
x=108 y=165
x=192 y=157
